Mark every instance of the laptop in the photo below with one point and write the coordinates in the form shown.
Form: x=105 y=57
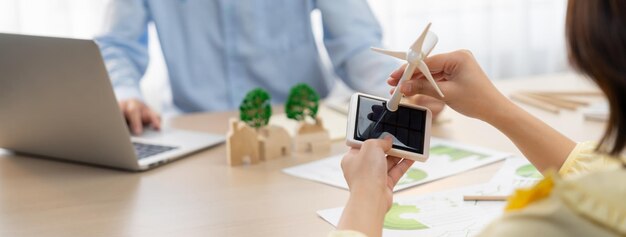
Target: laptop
x=56 y=101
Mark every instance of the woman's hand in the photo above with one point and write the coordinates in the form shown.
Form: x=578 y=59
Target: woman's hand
x=468 y=91
x=371 y=176
x=370 y=170
x=465 y=86
x=435 y=105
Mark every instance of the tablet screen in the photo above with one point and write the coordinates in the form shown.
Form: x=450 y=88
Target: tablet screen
x=406 y=125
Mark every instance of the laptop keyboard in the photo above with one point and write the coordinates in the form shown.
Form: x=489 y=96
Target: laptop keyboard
x=146 y=150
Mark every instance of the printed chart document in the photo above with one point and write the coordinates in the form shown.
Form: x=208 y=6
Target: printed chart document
x=442 y=214
x=515 y=173
x=446 y=158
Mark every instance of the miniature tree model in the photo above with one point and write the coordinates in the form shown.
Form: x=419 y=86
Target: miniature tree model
x=303 y=102
x=255 y=109
x=251 y=138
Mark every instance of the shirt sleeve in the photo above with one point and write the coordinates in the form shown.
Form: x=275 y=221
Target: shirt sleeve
x=583 y=159
x=123 y=44
x=350 y=29
x=346 y=233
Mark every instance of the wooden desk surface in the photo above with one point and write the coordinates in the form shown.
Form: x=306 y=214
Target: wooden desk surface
x=202 y=196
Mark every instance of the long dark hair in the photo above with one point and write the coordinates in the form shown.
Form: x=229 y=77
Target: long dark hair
x=596 y=38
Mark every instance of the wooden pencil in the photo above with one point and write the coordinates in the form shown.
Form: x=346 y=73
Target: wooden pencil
x=484 y=198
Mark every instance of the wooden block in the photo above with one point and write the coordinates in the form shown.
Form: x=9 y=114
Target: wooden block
x=312 y=138
x=313 y=142
x=320 y=147
x=307 y=128
x=274 y=142
x=242 y=144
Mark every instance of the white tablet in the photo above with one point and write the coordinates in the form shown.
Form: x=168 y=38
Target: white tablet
x=409 y=126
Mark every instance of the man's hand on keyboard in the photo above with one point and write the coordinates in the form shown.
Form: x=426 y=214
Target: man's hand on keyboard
x=137 y=114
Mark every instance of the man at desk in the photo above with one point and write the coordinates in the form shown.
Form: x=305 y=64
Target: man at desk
x=217 y=50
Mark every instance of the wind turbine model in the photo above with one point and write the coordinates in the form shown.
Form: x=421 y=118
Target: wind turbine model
x=415 y=59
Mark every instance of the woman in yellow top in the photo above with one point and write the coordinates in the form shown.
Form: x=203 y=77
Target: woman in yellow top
x=588 y=195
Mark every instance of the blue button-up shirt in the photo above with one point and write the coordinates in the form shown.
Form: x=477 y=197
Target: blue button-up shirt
x=217 y=50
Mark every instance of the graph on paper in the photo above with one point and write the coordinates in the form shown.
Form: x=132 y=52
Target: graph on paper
x=446 y=158
x=442 y=214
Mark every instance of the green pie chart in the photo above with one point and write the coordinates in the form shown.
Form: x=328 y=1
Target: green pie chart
x=455 y=154
x=412 y=176
x=399 y=218
x=528 y=171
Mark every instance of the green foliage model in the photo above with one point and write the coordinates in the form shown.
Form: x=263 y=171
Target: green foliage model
x=303 y=102
x=255 y=109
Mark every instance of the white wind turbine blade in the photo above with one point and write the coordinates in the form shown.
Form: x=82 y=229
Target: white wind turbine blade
x=421 y=65
x=392 y=104
x=395 y=54
x=429 y=43
x=417 y=45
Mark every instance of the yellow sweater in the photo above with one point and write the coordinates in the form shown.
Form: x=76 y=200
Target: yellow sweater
x=589 y=200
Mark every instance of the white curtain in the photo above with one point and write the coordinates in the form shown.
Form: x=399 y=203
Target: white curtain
x=510 y=38
x=81 y=19
x=65 y=18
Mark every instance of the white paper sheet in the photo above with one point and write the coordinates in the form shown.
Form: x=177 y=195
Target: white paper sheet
x=446 y=158
x=516 y=172
x=439 y=214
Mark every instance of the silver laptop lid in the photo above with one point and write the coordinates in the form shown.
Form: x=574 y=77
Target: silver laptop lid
x=56 y=100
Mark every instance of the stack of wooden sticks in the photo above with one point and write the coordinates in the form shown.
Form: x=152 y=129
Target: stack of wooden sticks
x=554 y=101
